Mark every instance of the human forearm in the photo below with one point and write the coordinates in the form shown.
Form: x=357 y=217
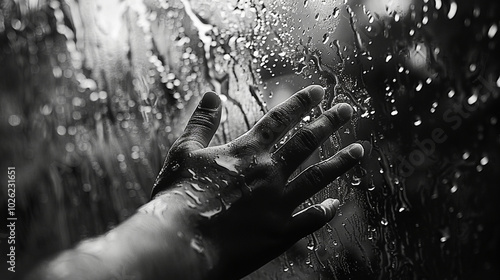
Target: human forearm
x=152 y=244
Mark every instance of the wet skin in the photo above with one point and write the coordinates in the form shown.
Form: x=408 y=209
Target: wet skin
x=239 y=197
x=221 y=212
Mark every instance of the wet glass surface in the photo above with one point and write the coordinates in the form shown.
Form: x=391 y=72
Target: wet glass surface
x=93 y=93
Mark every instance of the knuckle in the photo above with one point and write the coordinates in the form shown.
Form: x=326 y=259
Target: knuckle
x=179 y=148
x=314 y=175
x=334 y=120
x=280 y=117
x=303 y=100
x=307 y=138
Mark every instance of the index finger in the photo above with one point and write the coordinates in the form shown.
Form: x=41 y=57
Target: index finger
x=283 y=117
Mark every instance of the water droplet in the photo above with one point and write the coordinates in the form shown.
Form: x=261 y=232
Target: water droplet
x=466 y=155
x=453 y=9
x=175 y=167
x=61 y=130
x=193 y=197
x=197 y=187
x=228 y=163
x=193 y=174
x=388 y=57
x=210 y=213
x=419 y=86
x=355 y=180
x=471 y=100
x=384 y=221
x=418 y=121
x=195 y=244
x=14 y=120
x=336 y=12
x=326 y=37
x=492 y=31
x=438 y=4
x=311 y=245
x=454 y=189
x=484 y=160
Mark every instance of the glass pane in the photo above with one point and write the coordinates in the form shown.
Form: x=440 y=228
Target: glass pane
x=93 y=93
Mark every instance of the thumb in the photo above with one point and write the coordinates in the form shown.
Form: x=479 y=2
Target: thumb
x=202 y=125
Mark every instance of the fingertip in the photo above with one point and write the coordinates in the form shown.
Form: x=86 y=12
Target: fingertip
x=316 y=93
x=356 y=151
x=336 y=203
x=329 y=207
x=367 y=147
x=210 y=101
x=344 y=111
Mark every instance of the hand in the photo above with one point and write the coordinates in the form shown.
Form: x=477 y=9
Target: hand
x=235 y=202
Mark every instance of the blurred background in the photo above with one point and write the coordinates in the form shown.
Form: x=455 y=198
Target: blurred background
x=93 y=93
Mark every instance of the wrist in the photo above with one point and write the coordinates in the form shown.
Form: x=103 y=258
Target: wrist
x=191 y=254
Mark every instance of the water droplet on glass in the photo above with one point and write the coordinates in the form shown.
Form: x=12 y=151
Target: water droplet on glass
x=454 y=189
x=384 y=221
x=471 y=100
x=197 y=187
x=193 y=197
x=484 y=160
x=418 y=121
x=355 y=180
x=310 y=245
x=195 y=244
x=419 y=86
x=465 y=155
x=175 y=167
x=492 y=31
x=14 y=120
x=388 y=57
x=453 y=9
x=210 y=213
x=336 y=12
x=326 y=37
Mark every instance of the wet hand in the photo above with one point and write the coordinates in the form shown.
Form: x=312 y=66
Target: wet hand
x=236 y=202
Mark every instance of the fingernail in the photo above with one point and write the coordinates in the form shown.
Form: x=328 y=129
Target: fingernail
x=210 y=101
x=356 y=151
x=367 y=147
x=344 y=111
x=327 y=206
x=330 y=207
x=316 y=93
x=336 y=203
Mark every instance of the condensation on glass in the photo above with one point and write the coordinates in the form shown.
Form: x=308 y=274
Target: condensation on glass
x=94 y=92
